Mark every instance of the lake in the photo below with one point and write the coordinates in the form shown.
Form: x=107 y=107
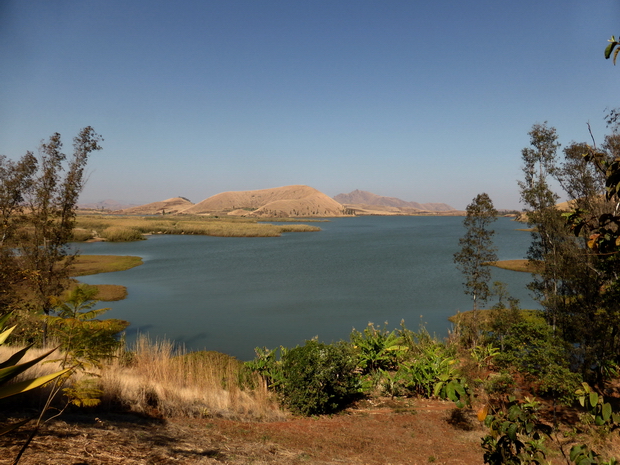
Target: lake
x=234 y=294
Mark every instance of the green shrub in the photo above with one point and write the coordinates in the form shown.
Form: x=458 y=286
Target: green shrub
x=516 y=437
x=532 y=348
x=312 y=379
x=378 y=349
x=319 y=378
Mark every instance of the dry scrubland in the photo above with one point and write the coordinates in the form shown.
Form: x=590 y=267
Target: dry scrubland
x=157 y=376
x=130 y=228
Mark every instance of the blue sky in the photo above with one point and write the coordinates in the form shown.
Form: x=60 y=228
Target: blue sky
x=425 y=101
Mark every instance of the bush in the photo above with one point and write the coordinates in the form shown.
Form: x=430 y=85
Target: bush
x=312 y=379
x=319 y=378
x=532 y=348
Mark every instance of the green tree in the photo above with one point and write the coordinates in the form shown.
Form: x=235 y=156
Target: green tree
x=548 y=229
x=477 y=252
x=84 y=338
x=38 y=201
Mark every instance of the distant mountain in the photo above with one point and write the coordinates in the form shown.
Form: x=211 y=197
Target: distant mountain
x=108 y=204
x=295 y=201
x=173 y=205
x=364 y=198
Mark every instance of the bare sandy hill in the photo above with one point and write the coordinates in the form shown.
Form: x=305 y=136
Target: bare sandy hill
x=367 y=201
x=173 y=205
x=277 y=202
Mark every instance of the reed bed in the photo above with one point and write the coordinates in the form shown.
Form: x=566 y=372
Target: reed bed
x=157 y=378
x=93 y=264
x=121 y=234
x=125 y=227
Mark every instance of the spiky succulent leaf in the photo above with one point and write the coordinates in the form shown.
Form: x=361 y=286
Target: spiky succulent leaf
x=23 y=386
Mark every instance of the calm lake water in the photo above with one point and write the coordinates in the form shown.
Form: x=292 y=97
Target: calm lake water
x=234 y=294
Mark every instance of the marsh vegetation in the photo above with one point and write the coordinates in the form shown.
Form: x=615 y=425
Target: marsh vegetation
x=131 y=228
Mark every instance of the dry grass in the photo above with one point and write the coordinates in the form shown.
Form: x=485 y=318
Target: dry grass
x=526 y=266
x=106 y=292
x=93 y=264
x=175 y=383
x=121 y=234
x=193 y=225
x=155 y=378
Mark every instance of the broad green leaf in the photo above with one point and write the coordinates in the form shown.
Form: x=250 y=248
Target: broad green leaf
x=593 y=399
x=609 y=49
x=512 y=432
x=23 y=386
x=574 y=452
x=606 y=412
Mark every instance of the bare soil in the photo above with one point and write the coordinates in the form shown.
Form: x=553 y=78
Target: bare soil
x=400 y=432
x=374 y=432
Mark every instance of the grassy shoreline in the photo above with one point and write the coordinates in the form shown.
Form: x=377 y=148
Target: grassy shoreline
x=524 y=266
x=129 y=228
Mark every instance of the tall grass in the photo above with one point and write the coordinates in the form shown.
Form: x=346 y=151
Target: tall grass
x=121 y=234
x=156 y=377
x=193 y=225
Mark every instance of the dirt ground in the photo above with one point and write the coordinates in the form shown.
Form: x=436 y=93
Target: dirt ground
x=411 y=432
x=386 y=432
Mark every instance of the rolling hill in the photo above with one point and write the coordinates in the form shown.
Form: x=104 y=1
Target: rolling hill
x=364 y=202
x=280 y=202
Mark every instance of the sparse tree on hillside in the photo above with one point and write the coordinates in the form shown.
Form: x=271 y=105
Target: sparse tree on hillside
x=477 y=251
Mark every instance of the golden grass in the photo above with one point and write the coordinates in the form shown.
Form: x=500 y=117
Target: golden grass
x=156 y=378
x=93 y=264
x=526 y=266
x=106 y=292
x=121 y=234
x=187 y=384
x=194 y=225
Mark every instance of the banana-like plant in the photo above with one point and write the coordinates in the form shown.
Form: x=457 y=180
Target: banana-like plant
x=11 y=368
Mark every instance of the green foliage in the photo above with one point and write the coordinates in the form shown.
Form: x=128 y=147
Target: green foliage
x=432 y=371
x=312 y=379
x=583 y=455
x=611 y=49
x=477 y=249
x=12 y=368
x=85 y=340
x=516 y=437
x=377 y=349
x=534 y=350
x=268 y=363
x=600 y=411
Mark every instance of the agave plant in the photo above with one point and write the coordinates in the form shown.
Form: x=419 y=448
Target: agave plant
x=11 y=368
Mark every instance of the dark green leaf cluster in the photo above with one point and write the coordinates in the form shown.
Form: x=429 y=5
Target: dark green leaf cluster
x=312 y=379
x=516 y=436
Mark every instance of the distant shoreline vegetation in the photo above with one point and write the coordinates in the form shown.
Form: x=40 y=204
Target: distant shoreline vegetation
x=132 y=228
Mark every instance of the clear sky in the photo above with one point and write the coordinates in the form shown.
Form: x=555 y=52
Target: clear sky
x=428 y=101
